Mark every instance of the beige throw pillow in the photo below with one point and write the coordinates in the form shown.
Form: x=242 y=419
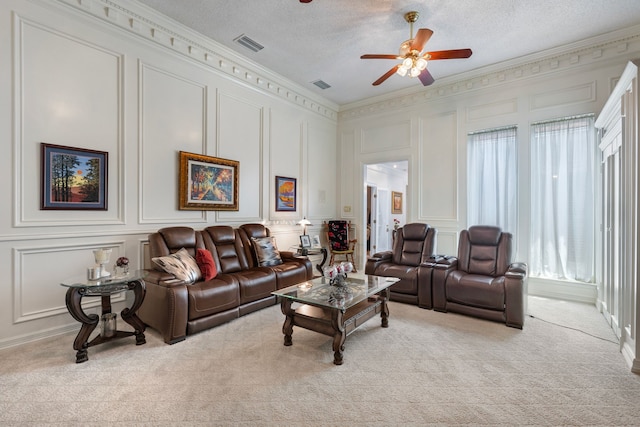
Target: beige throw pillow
x=180 y=264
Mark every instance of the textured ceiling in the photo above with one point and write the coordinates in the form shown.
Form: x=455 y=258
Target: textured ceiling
x=324 y=39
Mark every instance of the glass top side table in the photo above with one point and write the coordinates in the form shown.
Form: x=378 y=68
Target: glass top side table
x=80 y=287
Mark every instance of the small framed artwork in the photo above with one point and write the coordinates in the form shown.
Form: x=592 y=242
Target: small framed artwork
x=285 y=194
x=396 y=202
x=316 y=241
x=208 y=183
x=305 y=241
x=73 y=178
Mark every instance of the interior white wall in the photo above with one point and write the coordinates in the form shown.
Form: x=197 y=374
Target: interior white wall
x=429 y=125
x=110 y=77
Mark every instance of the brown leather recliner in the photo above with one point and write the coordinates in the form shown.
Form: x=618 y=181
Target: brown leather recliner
x=482 y=281
x=409 y=260
x=177 y=309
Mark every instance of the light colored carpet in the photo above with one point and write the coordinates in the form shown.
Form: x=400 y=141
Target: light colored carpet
x=427 y=368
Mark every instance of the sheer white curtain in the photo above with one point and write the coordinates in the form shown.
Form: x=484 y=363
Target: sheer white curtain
x=492 y=178
x=563 y=199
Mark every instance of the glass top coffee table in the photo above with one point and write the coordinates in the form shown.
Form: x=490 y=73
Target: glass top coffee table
x=335 y=311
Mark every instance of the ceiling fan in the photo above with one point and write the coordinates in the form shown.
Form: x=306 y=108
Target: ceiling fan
x=414 y=62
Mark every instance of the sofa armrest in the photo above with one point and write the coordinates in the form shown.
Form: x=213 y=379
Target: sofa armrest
x=165 y=306
x=375 y=260
x=444 y=262
x=515 y=288
x=517 y=268
x=443 y=265
x=162 y=278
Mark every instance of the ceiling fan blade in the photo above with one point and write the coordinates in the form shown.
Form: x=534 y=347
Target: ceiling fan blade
x=426 y=78
x=379 y=56
x=450 y=54
x=386 y=75
x=422 y=36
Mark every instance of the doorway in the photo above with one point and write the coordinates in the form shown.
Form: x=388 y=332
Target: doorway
x=382 y=180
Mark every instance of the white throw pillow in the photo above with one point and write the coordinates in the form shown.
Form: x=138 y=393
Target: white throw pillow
x=180 y=264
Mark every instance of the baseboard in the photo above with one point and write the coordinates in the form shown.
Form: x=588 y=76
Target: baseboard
x=564 y=290
x=40 y=335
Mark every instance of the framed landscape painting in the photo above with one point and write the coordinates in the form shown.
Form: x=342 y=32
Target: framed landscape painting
x=285 y=194
x=73 y=178
x=208 y=183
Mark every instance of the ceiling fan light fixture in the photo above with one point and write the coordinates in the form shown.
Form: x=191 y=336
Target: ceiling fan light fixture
x=421 y=64
x=415 y=72
x=402 y=70
x=405 y=47
x=407 y=63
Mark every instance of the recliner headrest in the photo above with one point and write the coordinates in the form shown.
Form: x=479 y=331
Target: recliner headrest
x=484 y=235
x=221 y=234
x=178 y=237
x=255 y=230
x=415 y=231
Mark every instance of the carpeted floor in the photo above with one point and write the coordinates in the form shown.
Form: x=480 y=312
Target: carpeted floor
x=427 y=368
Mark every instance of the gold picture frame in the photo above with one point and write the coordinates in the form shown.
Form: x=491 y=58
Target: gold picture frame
x=208 y=183
x=396 y=202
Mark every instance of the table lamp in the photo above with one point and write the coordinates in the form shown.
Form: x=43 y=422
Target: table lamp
x=304 y=222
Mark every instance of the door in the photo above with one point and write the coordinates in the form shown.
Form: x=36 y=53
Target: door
x=383 y=228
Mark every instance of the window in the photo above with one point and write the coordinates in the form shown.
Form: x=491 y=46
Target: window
x=492 y=178
x=563 y=187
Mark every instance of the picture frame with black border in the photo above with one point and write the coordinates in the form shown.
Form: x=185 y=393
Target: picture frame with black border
x=73 y=178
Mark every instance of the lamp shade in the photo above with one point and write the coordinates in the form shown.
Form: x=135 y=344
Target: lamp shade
x=304 y=222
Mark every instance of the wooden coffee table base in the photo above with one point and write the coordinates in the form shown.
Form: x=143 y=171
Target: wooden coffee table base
x=333 y=321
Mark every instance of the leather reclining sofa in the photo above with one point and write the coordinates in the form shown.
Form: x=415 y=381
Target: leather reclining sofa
x=176 y=308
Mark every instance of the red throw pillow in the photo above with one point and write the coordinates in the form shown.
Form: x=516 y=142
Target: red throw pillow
x=206 y=264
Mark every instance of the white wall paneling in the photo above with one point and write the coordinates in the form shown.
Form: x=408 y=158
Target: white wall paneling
x=447 y=241
x=348 y=175
x=240 y=137
x=68 y=91
x=438 y=179
x=34 y=301
x=321 y=182
x=286 y=145
x=172 y=119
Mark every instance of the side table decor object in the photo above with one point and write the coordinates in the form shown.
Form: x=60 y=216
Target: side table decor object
x=105 y=287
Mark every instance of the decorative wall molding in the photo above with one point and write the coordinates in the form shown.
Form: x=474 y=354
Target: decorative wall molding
x=26 y=213
x=203 y=50
x=29 y=297
x=619 y=45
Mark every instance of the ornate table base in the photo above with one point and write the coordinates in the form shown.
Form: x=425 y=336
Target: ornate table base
x=90 y=321
x=334 y=322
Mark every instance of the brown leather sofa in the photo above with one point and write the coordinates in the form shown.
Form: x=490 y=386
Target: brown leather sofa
x=177 y=309
x=410 y=260
x=482 y=280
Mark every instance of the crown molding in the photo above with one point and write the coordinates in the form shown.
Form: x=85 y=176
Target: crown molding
x=141 y=20
x=617 y=45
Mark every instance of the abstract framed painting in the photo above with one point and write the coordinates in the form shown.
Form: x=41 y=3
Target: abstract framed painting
x=73 y=178
x=208 y=183
x=285 y=194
